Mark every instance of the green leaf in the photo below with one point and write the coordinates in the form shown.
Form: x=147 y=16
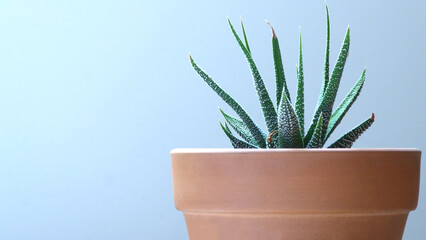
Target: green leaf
x=300 y=105
x=327 y=60
x=327 y=101
x=254 y=129
x=226 y=126
x=288 y=126
x=340 y=112
x=268 y=109
x=236 y=143
x=317 y=141
x=279 y=69
x=245 y=37
x=239 y=127
x=347 y=140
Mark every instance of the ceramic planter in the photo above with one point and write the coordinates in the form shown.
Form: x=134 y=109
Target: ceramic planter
x=318 y=194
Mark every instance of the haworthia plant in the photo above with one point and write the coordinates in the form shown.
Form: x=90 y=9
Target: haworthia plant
x=285 y=122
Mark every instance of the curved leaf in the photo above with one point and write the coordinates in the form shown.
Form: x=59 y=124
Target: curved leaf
x=254 y=129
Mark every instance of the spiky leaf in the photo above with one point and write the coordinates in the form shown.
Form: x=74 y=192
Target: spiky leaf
x=300 y=104
x=279 y=69
x=236 y=143
x=268 y=109
x=316 y=140
x=344 y=106
x=239 y=128
x=288 y=126
x=245 y=37
x=330 y=93
x=347 y=140
x=327 y=59
x=254 y=129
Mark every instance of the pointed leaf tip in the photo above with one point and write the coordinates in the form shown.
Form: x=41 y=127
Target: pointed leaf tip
x=373 y=117
x=274 y=36
x=253 y=128
x=347 y=140
x=268 y=108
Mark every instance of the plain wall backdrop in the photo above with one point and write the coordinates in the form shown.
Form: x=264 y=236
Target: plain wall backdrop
x=95 y=94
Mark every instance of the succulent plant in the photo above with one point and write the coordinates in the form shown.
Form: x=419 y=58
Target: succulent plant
x=285 y=124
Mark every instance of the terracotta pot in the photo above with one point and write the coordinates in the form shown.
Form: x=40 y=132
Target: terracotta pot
x=319 y=194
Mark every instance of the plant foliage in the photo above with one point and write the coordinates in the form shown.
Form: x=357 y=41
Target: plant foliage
x=285 y=122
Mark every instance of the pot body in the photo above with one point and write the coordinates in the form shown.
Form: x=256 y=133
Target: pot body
x=316 y=194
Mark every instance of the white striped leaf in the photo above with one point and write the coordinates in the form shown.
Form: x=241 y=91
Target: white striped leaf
x=253 y=128
x=344 y=106
x=268 y=109
x=300 y=98
x=239 y=127
x=316 y=140
x=347 y=140
x=288 y=126
x=236 y=143
x=326 y=105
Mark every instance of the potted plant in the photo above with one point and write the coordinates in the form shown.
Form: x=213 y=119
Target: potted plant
x=283 y=184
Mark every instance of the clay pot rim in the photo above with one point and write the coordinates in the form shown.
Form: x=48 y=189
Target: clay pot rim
x=288 y=150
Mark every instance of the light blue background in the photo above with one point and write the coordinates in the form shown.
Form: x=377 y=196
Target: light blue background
x=94 y=95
